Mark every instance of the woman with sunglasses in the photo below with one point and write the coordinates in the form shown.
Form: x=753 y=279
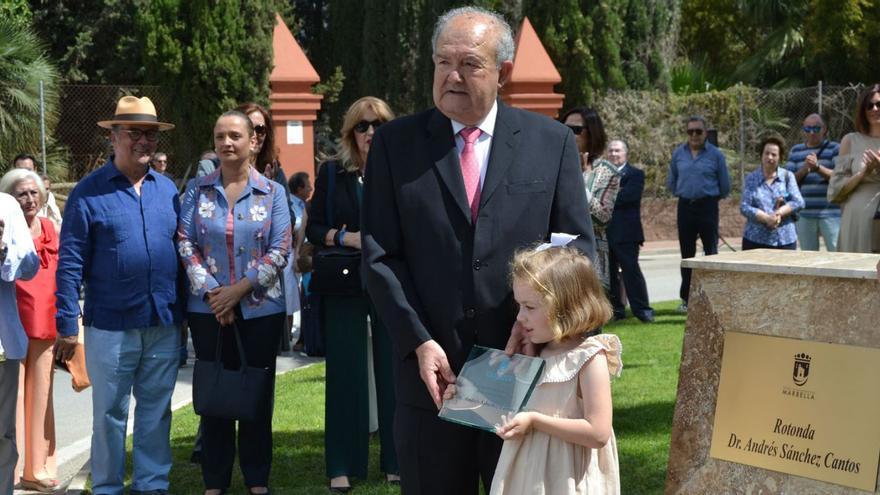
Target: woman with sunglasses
x=601 y=178
x=334 y=220
x=855 y=182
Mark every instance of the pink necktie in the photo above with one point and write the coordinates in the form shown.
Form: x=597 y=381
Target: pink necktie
x=470 y=169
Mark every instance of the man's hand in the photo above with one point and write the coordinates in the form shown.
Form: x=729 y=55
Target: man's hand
x=434 y=369
x=811 y=162
x=65 y=347
x=519 y=343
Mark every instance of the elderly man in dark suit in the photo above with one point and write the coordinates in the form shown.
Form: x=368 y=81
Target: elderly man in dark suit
x=625 y=236
x=449 y=195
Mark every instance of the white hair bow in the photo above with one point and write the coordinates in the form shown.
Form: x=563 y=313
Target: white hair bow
x=557 y=239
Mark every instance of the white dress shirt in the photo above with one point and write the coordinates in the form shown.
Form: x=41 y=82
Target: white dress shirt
x=22 y=263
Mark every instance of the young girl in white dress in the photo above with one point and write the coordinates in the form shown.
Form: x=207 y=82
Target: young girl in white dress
x=563 y=442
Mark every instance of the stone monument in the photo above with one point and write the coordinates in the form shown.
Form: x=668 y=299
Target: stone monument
x=798 y=298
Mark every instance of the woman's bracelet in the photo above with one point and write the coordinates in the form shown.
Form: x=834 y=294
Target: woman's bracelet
x=340 y=235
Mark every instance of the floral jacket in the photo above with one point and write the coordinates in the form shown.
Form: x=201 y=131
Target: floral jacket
x=257 y=248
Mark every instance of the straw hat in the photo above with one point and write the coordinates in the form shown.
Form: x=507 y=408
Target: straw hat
x=135 y=111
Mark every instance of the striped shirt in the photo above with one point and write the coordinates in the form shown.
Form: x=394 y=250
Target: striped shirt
x=814 y=187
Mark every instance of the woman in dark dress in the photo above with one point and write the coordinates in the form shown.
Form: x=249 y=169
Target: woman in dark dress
x=345 y=318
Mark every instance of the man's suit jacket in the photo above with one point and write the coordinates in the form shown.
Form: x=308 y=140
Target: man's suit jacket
x=626 y=221
x=431 y=273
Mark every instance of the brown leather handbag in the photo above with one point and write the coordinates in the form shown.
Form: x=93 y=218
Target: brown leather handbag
x=76 y=366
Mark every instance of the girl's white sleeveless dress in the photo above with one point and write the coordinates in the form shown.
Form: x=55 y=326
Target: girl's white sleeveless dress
x=542 y=464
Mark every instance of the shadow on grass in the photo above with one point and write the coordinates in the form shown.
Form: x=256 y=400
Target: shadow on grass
x=653 y=417
x=643 y=472
x=297 y=467
x=643 y=434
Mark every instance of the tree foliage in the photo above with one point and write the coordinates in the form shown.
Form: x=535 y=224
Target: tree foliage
x=23 y=64
x=607 y=45
x=781 y=43
x=213 y=54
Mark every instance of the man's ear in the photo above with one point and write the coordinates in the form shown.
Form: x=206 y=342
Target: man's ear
x=504 y=72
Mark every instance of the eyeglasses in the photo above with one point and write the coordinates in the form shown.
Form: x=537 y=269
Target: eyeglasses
x=362 y=126
x=872 y=105
x=812 y=129
x=577 y=129
x=152 y=135
x=695 y=132
x=260 y=129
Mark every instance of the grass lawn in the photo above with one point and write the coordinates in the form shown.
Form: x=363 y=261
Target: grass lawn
x=644 y=400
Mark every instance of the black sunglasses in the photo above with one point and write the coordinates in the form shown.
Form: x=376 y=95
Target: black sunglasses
x=362 y=126
x=260 y=129
x=872 y=105
x=695 y=132
x=152 y=135
x=577 y=129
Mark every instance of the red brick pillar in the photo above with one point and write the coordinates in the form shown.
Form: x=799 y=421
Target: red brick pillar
x=294 y=107
x=531 y=83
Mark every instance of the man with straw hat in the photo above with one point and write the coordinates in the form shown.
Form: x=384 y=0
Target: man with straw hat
x=118 y=239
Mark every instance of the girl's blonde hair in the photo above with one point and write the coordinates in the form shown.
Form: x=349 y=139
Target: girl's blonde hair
x=573 y=293
x=349 y=156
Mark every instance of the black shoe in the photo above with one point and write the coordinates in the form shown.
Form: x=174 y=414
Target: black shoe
x=340 y=489
x=647 y=317
x=619 y=316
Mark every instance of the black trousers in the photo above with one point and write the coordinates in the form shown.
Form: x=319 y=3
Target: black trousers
x=749 y=245
x=442 y=458
x=259 y=337
x=624 y=257
x=696 y=218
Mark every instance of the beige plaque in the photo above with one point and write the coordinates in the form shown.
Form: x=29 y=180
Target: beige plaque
x=806 y=408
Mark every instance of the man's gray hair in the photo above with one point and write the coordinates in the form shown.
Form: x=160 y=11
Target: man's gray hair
x=697 y=118
x=622 y=143
x=17 y=175
x=504 y=44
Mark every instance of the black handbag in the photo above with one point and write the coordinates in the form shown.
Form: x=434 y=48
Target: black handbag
x=244 y=394
x=336 y=270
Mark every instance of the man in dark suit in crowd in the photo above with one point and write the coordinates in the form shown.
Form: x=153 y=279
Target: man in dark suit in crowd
x=625 y=236
x=450 y=194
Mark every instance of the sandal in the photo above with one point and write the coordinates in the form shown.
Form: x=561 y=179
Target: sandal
x=42 y=486
x=392 y=479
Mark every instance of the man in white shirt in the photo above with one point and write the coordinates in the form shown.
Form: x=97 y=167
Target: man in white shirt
x=18 y=260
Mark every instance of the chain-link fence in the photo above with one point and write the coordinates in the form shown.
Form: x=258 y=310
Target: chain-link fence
x=87 y=146
x=652 y=123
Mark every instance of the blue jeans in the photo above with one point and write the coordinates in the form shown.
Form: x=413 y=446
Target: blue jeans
x=809 y=229
x=143 y=360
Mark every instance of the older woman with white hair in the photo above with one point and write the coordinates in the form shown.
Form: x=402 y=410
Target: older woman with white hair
x=35 y=417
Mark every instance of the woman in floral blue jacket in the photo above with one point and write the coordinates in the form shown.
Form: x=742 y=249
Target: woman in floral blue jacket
x=233 y=237
x=770 y=200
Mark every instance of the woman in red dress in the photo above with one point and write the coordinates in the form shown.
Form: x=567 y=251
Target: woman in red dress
x=35 y=417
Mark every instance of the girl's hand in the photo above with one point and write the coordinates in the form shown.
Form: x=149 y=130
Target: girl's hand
x=515 y=427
